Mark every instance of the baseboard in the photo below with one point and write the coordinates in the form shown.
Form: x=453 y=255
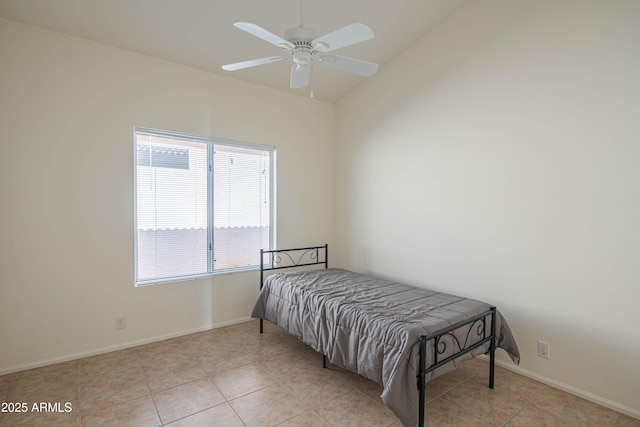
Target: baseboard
x=635 y=413
x=123 y=346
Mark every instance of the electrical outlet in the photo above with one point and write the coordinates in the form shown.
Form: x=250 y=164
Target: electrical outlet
x=121 y=322
x=543 y=349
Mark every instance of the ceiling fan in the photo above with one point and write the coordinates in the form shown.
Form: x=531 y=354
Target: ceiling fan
x=303 y=45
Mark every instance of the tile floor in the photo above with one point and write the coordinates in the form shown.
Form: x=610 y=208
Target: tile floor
x=234 y=376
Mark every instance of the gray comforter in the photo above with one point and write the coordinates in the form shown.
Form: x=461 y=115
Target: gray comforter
x=371 y=326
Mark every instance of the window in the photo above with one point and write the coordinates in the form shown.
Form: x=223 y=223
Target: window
x=201 y=206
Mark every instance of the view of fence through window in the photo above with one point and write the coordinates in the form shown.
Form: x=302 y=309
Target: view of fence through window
x=201 y=207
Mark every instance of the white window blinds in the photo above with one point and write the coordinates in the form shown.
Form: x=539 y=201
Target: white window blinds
x=241 y=205
x=201 y=206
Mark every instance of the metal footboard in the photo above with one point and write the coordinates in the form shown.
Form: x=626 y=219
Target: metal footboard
x=476 y=327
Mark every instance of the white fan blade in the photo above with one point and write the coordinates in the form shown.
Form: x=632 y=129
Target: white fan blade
x=346 y=36
x=299 y=75
x=258 y=31
x=350 y=65
x=251 y=63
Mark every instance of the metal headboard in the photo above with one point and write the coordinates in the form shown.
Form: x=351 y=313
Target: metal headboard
x=278 y=259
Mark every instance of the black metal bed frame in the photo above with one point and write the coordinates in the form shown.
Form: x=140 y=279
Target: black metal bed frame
x=278 y=259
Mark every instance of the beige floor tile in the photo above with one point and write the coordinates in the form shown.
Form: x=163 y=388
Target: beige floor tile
x=187 y=399
x=492 y=406
x=211 y=344
x=574 y=408
x=172 y=371
x=5 y=382
x=109 y=364
x=249 y=326
x=102 y=391
x=291 y=342
x=287 y=364
x=626 y=421
x=308 y=419
x=213 y=364
x=110 y=373
x=215 y=335
x=46 y=389
x=219 y=416
x=153 y=353
x=355 y=409
x=310 y=353
x=53 y=384
x=240 y=381
x=365 y=385
x=316 y=386
x=442 y=384
x=532 y=417
x=266 y=348
x=477 y=364
x=134 y=413
x=442 y=413
x=52 y=372
x=268 y=407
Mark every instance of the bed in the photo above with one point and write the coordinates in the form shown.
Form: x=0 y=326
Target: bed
x=397 y=335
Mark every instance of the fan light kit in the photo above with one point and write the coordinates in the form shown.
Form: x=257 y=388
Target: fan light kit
x=303 y=45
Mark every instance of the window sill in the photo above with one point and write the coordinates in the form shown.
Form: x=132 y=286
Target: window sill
x=144 y=283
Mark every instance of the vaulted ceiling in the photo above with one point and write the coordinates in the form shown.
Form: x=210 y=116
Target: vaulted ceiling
x=200 y=33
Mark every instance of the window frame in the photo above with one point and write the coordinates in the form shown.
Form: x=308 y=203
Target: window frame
x=211 y=143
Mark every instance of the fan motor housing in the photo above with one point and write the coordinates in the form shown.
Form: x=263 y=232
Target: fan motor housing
x=301 y=38
x=300 y=34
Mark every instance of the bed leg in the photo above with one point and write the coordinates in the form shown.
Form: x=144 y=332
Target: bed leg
x=421 y=379
x=492 y=349
x=261 y=326
x=492 y=364
x=324 y=361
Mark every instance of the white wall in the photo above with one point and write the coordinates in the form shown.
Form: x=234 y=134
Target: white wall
x=498 y=158
x=67 y=112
